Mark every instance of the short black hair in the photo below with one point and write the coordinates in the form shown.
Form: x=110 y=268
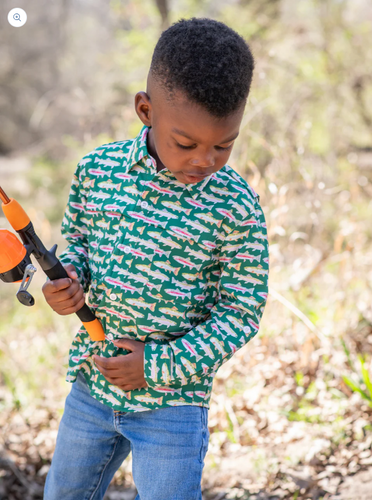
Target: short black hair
x=207 y=61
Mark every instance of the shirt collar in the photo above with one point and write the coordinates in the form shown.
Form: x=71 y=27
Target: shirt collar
x=139 y=152
x=139 y=148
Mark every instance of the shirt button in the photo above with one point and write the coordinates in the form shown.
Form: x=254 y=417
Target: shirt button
x=127 y=249
x=246 y=329
x=144 y=204
x=148 y=162
x=113 y=296
x=109 y=336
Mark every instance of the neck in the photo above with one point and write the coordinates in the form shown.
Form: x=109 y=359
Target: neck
x=152 y=150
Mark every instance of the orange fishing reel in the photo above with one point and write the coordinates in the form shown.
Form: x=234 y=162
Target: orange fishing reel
x=16 y=265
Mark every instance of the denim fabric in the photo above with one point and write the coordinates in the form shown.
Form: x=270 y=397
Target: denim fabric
x=168 y=448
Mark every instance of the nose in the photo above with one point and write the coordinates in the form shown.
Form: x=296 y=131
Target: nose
x=204 y=160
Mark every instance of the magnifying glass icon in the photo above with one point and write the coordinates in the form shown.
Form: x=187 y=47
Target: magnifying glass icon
x=17 y=17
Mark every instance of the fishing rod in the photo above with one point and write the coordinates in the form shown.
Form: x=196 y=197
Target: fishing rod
x=16 y=265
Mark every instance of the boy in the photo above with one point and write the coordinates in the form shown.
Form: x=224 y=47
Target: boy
x=171 y=244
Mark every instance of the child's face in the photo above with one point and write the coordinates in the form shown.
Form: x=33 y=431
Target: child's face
x=184 y=137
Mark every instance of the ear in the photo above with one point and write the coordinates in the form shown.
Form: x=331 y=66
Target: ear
x=142 y=104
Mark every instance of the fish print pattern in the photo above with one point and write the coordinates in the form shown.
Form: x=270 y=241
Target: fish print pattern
x=180 y=267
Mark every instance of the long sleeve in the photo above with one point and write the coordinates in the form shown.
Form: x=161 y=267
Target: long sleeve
x=73 y=227
x=233 y=320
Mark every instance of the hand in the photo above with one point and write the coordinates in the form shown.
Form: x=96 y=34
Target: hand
x=125 y=371
x=65 y=295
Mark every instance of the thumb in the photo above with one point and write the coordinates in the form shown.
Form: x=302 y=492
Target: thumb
x=125 y=344
x=71 y=271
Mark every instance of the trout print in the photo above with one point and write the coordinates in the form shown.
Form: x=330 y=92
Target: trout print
x=182 y=268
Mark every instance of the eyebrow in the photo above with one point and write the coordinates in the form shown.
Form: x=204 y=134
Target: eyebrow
x=181 y=132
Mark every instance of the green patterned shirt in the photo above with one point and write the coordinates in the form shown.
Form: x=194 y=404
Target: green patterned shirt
x=180 y=267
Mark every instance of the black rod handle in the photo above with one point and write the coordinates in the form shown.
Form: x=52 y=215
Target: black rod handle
x=86 y=315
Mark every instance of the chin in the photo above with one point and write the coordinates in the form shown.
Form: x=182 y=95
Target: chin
x=191 y=179
x=186 y=178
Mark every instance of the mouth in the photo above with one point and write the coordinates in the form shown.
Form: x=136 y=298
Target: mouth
x=196 y=177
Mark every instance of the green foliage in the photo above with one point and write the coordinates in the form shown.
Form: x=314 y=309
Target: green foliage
x=363 y=384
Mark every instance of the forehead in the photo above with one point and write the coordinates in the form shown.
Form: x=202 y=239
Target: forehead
x=177 y=113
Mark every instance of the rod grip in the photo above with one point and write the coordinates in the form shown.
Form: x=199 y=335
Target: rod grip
x=86 y=315
x=15 y=214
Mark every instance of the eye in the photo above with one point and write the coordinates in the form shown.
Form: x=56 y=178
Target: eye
x=219 y=148
x=184 y=147
x=224 y=149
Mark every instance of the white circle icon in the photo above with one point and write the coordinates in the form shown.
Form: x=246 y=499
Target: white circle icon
x=17 y=17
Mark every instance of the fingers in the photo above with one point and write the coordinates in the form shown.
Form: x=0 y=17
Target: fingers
x=109 y=364
x=110 y=374
x=109 y=368
x=65 y=292
x=50 y=287
x=62 y=283
x=65 y=295
x=114 y=372
x=76 y=306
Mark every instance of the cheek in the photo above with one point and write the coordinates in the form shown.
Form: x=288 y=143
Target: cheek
x=173 y=158
x=224 y=158
x=220 y=159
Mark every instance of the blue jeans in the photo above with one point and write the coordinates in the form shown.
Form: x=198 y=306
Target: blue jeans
x=168 y=448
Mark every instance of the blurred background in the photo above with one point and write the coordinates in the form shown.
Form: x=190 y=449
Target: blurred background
x=290 y=414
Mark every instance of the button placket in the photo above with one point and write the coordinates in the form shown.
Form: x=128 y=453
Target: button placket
x=122 y=249
x=129 y=244
x=125 y=269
